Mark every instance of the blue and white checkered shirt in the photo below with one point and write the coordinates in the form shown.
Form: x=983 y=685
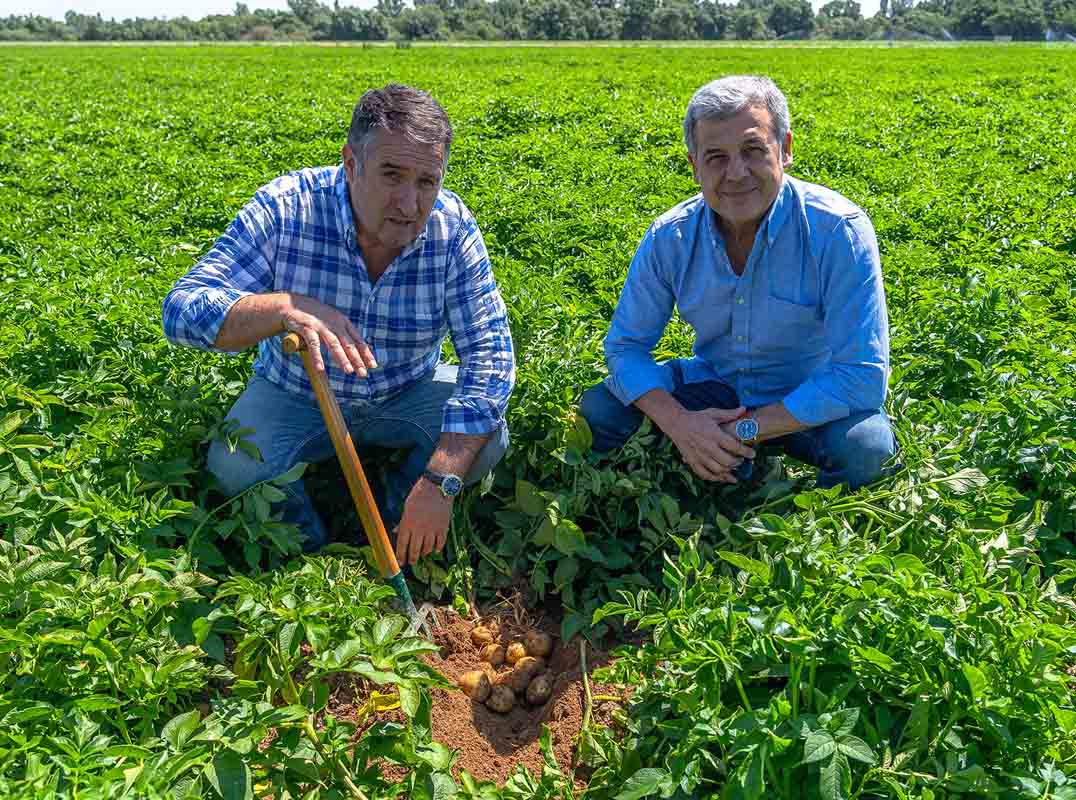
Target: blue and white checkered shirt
x=298 y=235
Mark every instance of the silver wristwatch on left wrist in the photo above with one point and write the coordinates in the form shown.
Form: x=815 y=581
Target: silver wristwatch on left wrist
x=449 y=484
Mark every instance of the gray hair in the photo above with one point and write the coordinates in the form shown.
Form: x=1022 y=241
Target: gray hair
x=401 y=109
x=726 y=97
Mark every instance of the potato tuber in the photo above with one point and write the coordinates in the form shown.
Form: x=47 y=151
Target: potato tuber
x=525 y=671
x=538 y=644
x=475 y=685
x=516 y=651
x=481 y=636
x=501 y=700
x=540 y=689
x=493 y=654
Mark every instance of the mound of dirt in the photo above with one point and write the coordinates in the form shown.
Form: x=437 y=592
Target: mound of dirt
x=490 y=745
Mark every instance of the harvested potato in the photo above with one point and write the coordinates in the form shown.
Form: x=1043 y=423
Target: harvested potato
x=501 y=700
x=540 y=689
x=476 y=685
x=493 y=654
x=481 y=636
x=538 y=644
x=525 y=671
x=515 y=651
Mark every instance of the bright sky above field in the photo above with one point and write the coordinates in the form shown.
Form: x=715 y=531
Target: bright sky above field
x=195 y=9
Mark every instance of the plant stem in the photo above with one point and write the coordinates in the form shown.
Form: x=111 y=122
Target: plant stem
x=794 y=674
x=586 y=684
x=810 y=684
x=312 y=735
x=743 y=696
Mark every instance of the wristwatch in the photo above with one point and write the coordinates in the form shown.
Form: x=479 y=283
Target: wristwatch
x=450 y=485
x=747 y=430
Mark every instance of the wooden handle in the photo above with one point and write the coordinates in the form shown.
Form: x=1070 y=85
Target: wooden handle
x=349 y=461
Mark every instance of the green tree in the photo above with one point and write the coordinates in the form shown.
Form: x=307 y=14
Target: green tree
x=791 y=16
x=1020 y=19
x=423 y=22
x=847 y=9
x=637 y=18
x=750 y=24
x=970 y=17
x=712 y=19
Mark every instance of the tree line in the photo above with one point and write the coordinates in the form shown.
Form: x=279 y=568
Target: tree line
x=574 y=20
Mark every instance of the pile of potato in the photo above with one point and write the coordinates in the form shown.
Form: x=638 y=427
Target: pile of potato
x=528 y=677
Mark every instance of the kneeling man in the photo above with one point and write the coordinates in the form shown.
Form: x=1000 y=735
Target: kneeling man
x=781 y=282
x=374 y=262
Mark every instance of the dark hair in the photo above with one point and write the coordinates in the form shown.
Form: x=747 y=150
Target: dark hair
x=402 y=109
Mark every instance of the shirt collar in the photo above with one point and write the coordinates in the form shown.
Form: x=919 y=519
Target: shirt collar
x=771 y=223
x=346 y=219
x=778 y=213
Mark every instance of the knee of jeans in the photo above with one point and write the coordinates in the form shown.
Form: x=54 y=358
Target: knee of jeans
x=234 y=469
x=610 y=421
x=489 y=456
x=865 y=452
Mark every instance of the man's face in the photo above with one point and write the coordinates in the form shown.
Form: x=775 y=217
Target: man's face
x=393 y=192
x=739 y=165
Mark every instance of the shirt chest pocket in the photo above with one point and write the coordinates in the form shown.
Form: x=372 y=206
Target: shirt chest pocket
x=788 y=328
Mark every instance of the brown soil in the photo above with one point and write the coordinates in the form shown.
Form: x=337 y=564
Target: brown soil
x=491 y=745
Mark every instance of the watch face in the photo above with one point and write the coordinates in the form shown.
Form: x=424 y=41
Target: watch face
x=451 y=485
x=746 y=430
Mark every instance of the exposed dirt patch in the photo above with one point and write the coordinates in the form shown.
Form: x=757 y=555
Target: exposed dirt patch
x=491 y=745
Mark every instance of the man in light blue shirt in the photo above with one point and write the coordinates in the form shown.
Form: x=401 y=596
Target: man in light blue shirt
x=781 y=281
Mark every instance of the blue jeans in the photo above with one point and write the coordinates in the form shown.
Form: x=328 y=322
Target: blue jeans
x=850 y=450
x=289 y=428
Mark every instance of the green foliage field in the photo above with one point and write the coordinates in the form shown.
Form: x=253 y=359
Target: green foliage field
x=916 y=639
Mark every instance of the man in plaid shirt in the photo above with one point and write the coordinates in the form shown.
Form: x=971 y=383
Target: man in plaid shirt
x=371 y=262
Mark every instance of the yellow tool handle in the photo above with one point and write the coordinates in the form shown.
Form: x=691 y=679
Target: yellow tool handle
x=349 y=461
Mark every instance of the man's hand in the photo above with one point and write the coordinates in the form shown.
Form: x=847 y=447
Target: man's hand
x=709 y=449
x=424 y=525
x=316 y=322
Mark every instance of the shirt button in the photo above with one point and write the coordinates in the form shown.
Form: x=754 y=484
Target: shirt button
x=739 y=338
x=739 y=301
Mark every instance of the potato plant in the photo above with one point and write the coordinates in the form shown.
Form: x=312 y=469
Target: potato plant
x=910 y=640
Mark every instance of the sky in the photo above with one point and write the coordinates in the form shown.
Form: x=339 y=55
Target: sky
x=195 y=9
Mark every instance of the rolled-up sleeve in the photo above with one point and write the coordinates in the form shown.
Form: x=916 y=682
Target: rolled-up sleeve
x=642 y=313
x=239 y=263
x=478 y=325
x=856 y=329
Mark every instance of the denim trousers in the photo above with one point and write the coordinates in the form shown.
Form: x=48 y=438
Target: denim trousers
x=289 y=428
x=851 y=451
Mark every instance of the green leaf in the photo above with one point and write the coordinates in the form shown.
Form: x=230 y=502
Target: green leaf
x=835 y=778
x=179 y=729
x=749 y=565
x=97 y=702
x=230 y=776
x=287 y=642
x=410 y=698
x=876 y=657
x=388 y=627
x=843 y=722
x=291 y=475
x=819 y=745
x=568 y=537
x=529 y=500
x=854 y=747
x=567 y=569
x=645 y=782
x=977 y=681
x=965 y=481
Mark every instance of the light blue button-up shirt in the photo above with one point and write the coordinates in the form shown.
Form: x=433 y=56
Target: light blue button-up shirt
x=804 y=324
